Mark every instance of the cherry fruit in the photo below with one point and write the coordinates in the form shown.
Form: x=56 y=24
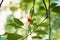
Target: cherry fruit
x=29 y=19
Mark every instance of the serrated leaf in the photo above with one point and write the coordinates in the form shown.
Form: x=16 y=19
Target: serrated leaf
x=13 y=36
x=18 y=21
x=56 y=9
x=41 y=32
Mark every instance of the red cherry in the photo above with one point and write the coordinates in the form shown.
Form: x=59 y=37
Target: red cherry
x=29 y=19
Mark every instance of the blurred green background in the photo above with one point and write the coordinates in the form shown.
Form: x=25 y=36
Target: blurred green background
x=17 y=13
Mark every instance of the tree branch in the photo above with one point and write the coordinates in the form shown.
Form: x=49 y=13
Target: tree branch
x=1 y=3
x=47 y=11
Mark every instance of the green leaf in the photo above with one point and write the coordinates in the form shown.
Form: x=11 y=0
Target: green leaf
x=14 y=25
x=13 y=36
x=31 y=12
x=41 y=32
x=37 y=37
x=56 y=9
x=18 y=21
x=41 y=7
x=44 y=24
x=53 y=5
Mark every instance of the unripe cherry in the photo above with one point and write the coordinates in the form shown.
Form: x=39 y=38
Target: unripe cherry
x=29 y=19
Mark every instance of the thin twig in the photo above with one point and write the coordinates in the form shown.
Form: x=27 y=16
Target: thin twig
x=38 y=25
x=45 y=5
x=46 y=10
x=50 y=28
